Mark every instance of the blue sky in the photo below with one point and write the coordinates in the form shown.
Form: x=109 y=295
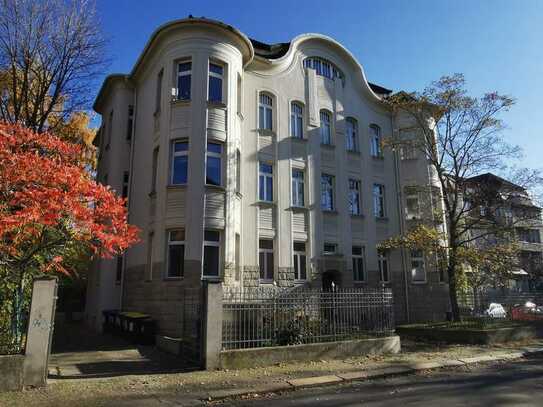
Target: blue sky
x=497 y=44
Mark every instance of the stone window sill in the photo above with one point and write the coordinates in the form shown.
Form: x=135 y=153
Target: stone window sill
x=218 y=105
x=328 y=146
x=215 y=187
x=266 y=132
x=330 y=211
x=180 y=102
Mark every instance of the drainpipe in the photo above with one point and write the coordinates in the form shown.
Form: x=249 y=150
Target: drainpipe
x=131 y=182
x=401 y=223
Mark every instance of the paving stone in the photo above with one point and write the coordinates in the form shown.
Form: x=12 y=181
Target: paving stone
x=315 y=381
x=353 y=375
x=451 y=363
x=425 y=365
x=477 y=359
x=268 y=388
x=389 y=371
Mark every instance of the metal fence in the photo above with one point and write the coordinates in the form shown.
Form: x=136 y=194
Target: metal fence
x=192 y=310
x=271 y=316
x=14 y=309
x=493 y=306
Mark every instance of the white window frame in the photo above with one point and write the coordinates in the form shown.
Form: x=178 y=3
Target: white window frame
x=218 y=76
x=325 y=127
x=212 y=243
x=263 y=194
x=238 y=171
x=408 y=152
x=419 y=259
x=328 y=188
x=175 y=154
x=382 y=258
x=375 y=141
x=215 y=155
x=328 y=252
x=296 y=120
x=319 y=65
x=183 y=73
x=354 y=193
x=298 y=185
x=412 y=196
x=298 y=261
x=351 y=135
x=174 y=243
x=265 y=105
x=379 y=201
x=355 y=263
x=267 y=252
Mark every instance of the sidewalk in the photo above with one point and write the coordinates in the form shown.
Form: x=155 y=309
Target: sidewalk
x=193 y=388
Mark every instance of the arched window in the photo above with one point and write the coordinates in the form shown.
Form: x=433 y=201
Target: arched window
x=296 y=120
x=323 y=67
x=375 y=141
x=351 y=134
x=265 y=112
x=326 y=127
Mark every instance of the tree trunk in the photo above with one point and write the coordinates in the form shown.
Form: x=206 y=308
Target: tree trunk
x=453 y=295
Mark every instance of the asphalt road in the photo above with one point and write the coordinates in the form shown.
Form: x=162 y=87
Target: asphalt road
x=518 y=383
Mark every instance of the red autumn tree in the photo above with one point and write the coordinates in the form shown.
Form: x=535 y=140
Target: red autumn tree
x=51 y=209
x=49 y=201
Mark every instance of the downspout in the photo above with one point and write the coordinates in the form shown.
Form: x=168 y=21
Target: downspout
x=401 y=219
x=131 y=177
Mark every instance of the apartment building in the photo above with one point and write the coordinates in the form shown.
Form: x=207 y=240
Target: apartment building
x=251 y=164
x=509 y=209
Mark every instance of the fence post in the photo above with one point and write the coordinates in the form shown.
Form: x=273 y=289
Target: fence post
x=212 y=324
x=40 y=331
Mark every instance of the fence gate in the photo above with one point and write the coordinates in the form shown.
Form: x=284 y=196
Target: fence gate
x=192 y=326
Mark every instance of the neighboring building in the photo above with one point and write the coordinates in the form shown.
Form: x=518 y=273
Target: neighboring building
x=254 y=164
x=511 y=209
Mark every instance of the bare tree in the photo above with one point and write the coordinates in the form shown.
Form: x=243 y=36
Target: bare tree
x=461 y=137
x=50 y=53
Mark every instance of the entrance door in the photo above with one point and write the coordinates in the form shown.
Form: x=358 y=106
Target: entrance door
x=330 y=279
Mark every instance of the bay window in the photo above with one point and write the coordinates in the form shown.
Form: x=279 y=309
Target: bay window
x=215 y=83
x=214 y=164
x=184 y=73
x=176 y=254
x=212 y=251
x=179 y=162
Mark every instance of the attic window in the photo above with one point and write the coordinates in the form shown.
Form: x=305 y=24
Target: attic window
x=323 y=67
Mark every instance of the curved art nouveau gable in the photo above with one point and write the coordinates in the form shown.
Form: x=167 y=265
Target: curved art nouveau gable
x=307 y=45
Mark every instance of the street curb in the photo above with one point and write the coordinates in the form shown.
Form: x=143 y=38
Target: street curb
x=398 y=370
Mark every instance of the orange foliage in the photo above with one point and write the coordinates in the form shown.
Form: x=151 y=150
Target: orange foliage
x=47 y=198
